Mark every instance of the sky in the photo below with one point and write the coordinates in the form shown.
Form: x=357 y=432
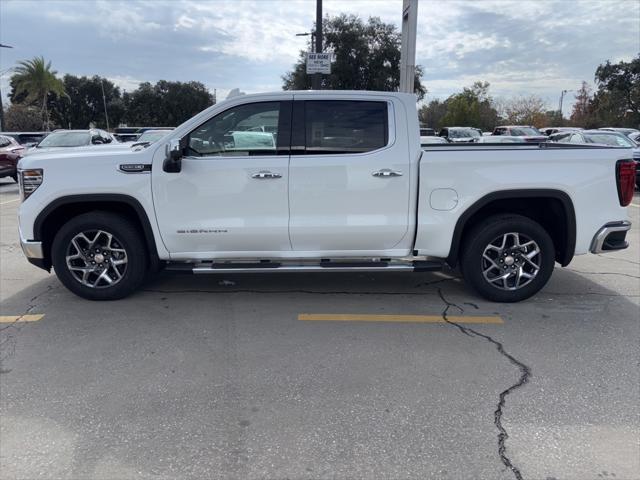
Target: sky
x=521 y=47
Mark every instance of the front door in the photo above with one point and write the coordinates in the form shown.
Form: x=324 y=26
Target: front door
x=349 y=177
x=231 y=197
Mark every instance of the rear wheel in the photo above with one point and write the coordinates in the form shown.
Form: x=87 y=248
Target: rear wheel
x=508 y=258
x=99 y=256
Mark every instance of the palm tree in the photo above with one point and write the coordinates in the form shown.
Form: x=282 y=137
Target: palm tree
x=36 y=79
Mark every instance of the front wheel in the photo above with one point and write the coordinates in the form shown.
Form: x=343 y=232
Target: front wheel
x=508 y=258
x=99 y=256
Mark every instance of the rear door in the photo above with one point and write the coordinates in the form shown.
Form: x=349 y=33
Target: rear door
x=349 y=176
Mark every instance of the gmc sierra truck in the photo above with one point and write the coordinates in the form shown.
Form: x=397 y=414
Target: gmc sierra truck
x=326 y=181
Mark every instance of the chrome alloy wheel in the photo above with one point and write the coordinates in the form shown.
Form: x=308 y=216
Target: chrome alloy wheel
x=96 y=259
x=511 y=261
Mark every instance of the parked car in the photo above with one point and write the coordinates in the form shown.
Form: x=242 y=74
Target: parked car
x=460 y=134
x=345 y=187
x=624 y=131
x=424 y=141
x=526 y=132
x=500 y=139
x=150 y=136
x=603 y=137
x=60 y=139
x=635 y=137
x=551 y=130
x=132 y=134
x=26 y=139
x=10 y=153
x=427 y=132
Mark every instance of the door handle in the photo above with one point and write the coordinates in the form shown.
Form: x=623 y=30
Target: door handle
x=266 y=174
x=387 y=172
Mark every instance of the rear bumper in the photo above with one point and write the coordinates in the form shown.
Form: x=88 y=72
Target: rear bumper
x=611 y=237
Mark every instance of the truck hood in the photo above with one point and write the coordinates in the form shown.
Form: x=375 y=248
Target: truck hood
x=85 y=156
x=87 y=148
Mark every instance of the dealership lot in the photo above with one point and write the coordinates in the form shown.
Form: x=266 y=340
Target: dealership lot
x=317 y=376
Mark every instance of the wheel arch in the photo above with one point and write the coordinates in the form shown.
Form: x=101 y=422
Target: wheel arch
x=61 y=210
x=552 y=208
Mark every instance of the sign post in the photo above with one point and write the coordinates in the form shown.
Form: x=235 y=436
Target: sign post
x=408 y=50
x=318 y=63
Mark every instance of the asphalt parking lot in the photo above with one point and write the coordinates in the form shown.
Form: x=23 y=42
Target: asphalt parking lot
x=320 y=376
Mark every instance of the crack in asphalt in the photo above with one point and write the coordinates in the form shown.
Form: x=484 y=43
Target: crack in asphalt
x=604 y=273
x=578 y=294
x=10 y=331
x=525 y=375
x=609 y=257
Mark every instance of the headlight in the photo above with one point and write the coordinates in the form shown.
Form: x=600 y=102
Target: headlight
x=30 y=180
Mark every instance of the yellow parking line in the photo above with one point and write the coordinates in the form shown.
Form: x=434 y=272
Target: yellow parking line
x=21 y=318
x=349 y=317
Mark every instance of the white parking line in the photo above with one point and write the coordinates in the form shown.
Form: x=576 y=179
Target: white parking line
x=10 y=201
x=634 y=205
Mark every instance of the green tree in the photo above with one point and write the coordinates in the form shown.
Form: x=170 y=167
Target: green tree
x=432 y=113
x=34 y=81
x=165 y=103
x=366 y=56
x=617 y=100
x=553 y=118
x=473 y=107
x=84 y=104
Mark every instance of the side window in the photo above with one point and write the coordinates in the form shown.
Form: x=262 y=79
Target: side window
x=344 y=126
x=575 y=138
x=106 y=138
x=250 y=129
x=4 y=142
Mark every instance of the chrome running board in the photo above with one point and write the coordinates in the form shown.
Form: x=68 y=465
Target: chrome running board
x=302 y=267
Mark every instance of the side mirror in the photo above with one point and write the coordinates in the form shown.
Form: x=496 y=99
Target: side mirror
x=173 y=162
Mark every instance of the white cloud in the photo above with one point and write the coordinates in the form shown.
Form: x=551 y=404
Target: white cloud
x=521 y=47
x=125 y=82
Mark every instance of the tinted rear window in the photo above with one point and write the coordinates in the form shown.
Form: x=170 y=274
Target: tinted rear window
x=342 y=126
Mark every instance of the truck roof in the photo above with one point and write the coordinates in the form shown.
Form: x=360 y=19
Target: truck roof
x=321 y=93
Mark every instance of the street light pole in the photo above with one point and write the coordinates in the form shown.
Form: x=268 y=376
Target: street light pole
x=104 y=102
x=317 y=78
x=561 y=100
x=1 y=104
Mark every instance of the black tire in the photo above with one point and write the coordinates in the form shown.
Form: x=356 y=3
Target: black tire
x=128 y=238
x=494 y=228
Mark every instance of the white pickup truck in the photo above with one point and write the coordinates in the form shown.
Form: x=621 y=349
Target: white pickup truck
x=320 y=181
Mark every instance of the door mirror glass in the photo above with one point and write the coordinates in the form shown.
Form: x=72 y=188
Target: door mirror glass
x=173 y=161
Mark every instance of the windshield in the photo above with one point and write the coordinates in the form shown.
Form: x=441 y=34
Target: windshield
x=151 y=136
x=525 y=131
x=608 y=139
x=466 y=133
x=65 y=139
